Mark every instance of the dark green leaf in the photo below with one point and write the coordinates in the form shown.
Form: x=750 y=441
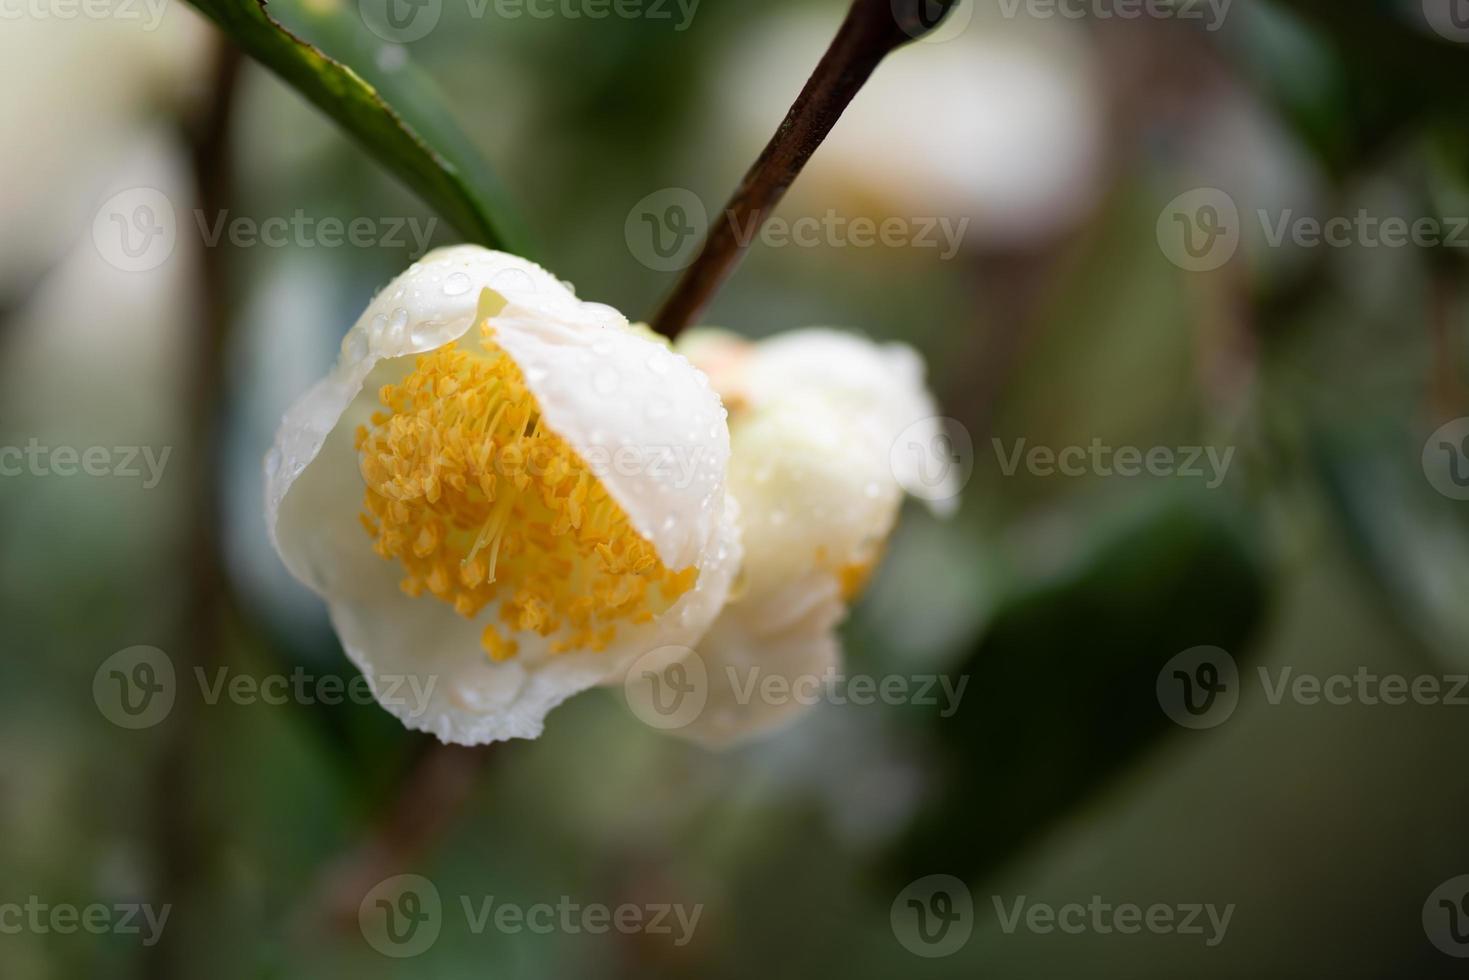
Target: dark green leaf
x=1062 y=688
x=410 y=135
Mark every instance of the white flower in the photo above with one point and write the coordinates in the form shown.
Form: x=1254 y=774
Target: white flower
x=504 y=494
x=814 y=416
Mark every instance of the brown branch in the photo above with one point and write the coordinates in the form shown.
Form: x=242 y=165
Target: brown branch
x=425 y=804
x=179 y=840
x=872 y=29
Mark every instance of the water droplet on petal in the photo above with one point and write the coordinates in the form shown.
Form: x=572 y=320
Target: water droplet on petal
x=457 y=285
x=513 y=280
x=426 y=332
x=375 y=331
x=354 y=346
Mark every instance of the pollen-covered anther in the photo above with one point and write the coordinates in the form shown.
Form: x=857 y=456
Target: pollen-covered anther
x=484 y=506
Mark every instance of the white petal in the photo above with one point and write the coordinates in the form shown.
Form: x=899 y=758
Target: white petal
x=641 y=416
x=813 y=494
x=406 y=645
x=880 y=386
x=795 y=640
x=674 y=495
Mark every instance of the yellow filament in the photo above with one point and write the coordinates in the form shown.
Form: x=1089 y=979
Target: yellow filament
x=483 y=505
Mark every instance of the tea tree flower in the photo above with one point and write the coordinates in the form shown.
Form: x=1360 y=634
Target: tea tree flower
x=504 y=493
x=814 y=416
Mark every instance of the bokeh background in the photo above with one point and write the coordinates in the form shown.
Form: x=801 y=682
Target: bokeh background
x=1066 y=313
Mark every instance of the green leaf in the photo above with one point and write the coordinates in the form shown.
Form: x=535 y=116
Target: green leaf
x=1062 y=689
x=405 y=129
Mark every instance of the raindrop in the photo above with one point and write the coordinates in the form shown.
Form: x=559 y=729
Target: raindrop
x=516 y=280
x=457 y=285
x=425 y=332
x=354 y=346
x=376 y=329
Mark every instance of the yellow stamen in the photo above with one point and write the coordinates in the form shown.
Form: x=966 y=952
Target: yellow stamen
x=483 y=505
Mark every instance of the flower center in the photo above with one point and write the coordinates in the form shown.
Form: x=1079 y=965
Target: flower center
x=481 y=503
